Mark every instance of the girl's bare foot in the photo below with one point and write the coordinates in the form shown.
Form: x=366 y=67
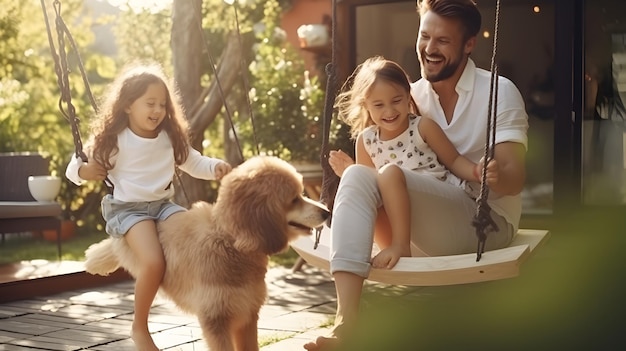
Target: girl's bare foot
x=329 y=342
x=323 y=343
x=142 y=339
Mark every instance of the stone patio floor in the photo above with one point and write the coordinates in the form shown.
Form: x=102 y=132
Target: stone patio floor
x=300 y=307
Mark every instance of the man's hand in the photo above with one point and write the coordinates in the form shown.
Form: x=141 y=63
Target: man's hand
x=492 y=174
x=506 y=173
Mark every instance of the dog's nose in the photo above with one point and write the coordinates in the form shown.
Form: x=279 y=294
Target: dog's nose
x=325 y=214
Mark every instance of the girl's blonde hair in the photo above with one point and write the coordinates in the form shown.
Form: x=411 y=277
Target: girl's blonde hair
x=112 y=118
x=350 y=102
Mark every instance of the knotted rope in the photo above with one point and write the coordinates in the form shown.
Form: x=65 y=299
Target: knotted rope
x=482 y=219
x=330 y=181
x=62 y=72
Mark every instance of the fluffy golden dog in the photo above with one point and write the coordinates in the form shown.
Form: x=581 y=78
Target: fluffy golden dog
x=217 y=254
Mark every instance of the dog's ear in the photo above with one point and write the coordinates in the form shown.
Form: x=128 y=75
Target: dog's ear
x=251 y=205
x=272 y=227
x=261 y=226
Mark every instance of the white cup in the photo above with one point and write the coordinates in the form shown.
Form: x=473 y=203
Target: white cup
x=44 y=188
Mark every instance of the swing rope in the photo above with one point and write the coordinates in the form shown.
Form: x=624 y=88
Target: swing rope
x=482 y=219
x=62 y=71
x=246 y=85
x=218 y=84
x=330 y=181
x=198 y=19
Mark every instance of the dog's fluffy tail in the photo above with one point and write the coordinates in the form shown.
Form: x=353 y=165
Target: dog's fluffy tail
x=100 y=258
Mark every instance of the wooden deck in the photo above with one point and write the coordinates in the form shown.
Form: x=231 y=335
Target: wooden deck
x=68 y=309
x=28 y=279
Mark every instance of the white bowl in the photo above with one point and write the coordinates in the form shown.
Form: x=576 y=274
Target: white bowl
x=44 y=188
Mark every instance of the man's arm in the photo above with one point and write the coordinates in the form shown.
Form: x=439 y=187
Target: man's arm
x=511 y=160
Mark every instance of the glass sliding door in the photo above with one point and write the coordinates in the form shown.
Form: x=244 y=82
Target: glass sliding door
x=604 y=112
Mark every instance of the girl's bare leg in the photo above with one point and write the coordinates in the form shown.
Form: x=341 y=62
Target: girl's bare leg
x=382 y=229
x=395 y=197
x=349 y=287
x=356 y=206
x=144 y=242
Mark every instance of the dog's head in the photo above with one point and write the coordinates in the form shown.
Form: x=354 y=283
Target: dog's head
x=261 y=204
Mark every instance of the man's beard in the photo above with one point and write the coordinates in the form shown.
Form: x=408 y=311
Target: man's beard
x=446 y=72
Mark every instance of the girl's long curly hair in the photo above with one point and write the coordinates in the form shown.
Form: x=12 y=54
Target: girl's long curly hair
x=350 y=102
x=112 y=118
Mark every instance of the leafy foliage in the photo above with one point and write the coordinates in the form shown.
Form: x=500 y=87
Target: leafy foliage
x=151 y=28
x=286 y=102
x=29 y=114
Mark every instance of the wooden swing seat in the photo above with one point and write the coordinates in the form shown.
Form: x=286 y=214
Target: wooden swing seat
x=438 y=270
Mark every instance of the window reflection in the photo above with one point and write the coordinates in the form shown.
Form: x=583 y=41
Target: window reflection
x=604 y=132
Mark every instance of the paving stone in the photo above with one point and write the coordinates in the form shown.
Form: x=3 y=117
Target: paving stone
x=9 y=347
x=99 y=320
x=121 y=345
x=45 y=345
x=296 y=341
x=15 y=310
x=194 y=333
x=50 y=320
x=7 y=336
x=294 y=321
x=84 y=337
x=193 y=346
x=26 y=328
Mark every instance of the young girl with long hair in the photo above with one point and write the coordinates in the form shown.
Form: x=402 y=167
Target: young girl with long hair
x=139 y=138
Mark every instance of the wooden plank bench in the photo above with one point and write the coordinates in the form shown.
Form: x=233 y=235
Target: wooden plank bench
x=19 y=212
x=423 y=271
x=438 y=270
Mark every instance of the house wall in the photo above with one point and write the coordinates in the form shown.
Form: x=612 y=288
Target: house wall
x=306 y=12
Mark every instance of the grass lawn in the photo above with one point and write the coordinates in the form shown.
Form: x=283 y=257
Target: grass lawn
x=19 y=248
x=23 y=247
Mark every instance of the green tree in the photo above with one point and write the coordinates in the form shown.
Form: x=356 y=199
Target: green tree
x=30 y=119
x=153 y=31
x=286 y=102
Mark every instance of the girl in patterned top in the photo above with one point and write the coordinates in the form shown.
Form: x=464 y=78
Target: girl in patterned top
x=390 y=136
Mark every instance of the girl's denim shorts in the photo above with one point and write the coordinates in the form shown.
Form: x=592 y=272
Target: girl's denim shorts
x=120 y=216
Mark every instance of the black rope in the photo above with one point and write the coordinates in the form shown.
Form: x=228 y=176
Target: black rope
x=62 y=71
x=198 y=19
x=243 y=67
x=330 y=181
x=482 y=219
x=60 y=67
